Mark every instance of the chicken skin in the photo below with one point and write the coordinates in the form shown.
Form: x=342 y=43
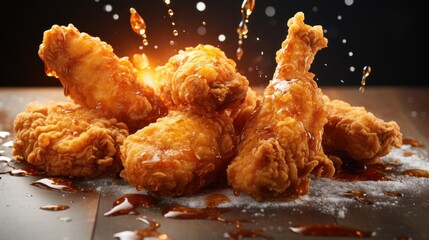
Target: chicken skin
x=64 y=139
x=356 y=133
x=180 y=153
x=191 y=146
x=281 y=142
x=95 y=78
x=201 y=79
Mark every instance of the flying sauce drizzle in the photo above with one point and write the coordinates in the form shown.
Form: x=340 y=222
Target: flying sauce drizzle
x=138 y=25
x=246 y=10
x=170 y=14
x=365 y=73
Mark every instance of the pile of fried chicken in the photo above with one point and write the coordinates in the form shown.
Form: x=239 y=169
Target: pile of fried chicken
x=198 y=122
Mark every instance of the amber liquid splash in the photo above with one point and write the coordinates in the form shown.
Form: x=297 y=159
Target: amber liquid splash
x=128 y=203
x=171 y=14
x=138 y=25
x=365 y=73
x=246 y=10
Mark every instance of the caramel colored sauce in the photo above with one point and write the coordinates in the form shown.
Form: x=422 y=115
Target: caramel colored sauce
x=407 y=154
x=58 y=184
x=246 y=10
x=329 y=230
x=54 y=207
x=128 y=203
x=365 y=73
x=214 y=200
x=358 y=195
x=239 y=232
x=170 y=15
x=393 y=194
x=353 y=170
x=183 y=212
x=411 y=142
x=150 y=232
x=29 y=170
x=416 y=173
x=138 y=25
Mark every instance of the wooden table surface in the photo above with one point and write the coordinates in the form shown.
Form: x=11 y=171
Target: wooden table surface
x=21 y=218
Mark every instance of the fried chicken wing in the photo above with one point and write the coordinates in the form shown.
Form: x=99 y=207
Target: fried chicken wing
x=281 y=143
x=356 y=133
x=201 y=78
x=64 y=139
x=94 y=77
x=180 y=153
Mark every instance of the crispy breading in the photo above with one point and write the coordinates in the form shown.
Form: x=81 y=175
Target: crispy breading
x=94 y=77
x=281 y=143
x=65 y=139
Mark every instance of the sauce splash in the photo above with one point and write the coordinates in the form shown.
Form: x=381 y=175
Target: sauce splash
x=150 y=232
x=246 y=10
x=138 y=25
x=365 y=73
x=128 y=203
x=170 y=14
x=57 y=184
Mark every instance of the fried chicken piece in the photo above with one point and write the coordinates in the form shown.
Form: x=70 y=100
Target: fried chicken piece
x=241 y=114
x=356 y=133
x=64 y=139
x=94 y=77
x=180 y=153
x=201 y=79
x=281 y=143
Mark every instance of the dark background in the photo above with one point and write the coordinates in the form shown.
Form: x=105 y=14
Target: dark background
x=389 y=36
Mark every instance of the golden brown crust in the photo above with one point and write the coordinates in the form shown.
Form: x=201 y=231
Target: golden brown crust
x=64 y=139
x=281 y=143
x=201 y=79
x=179 y=154
x=357 y=133
x=94 y=77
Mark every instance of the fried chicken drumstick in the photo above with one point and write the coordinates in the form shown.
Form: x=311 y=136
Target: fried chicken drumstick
x=281 y=143
x=94 y=77
x=64 y=139
x=190 y=147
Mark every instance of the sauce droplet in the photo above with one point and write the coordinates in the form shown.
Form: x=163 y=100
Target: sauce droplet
x=416 y=173
x=214 y=200
x=411 y=142
x=329 y=231
x=183 y=212
x=128 y=203
x=358 y=195
x=54 y=207
x=240 y=233
x=246 y=10
x=365 y=73
x=393 y=194
x=138 y=25
x=57 y=184
x=149 y=232
x=171 y=14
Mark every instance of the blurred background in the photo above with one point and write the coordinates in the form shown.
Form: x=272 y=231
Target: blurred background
x=386 y=35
